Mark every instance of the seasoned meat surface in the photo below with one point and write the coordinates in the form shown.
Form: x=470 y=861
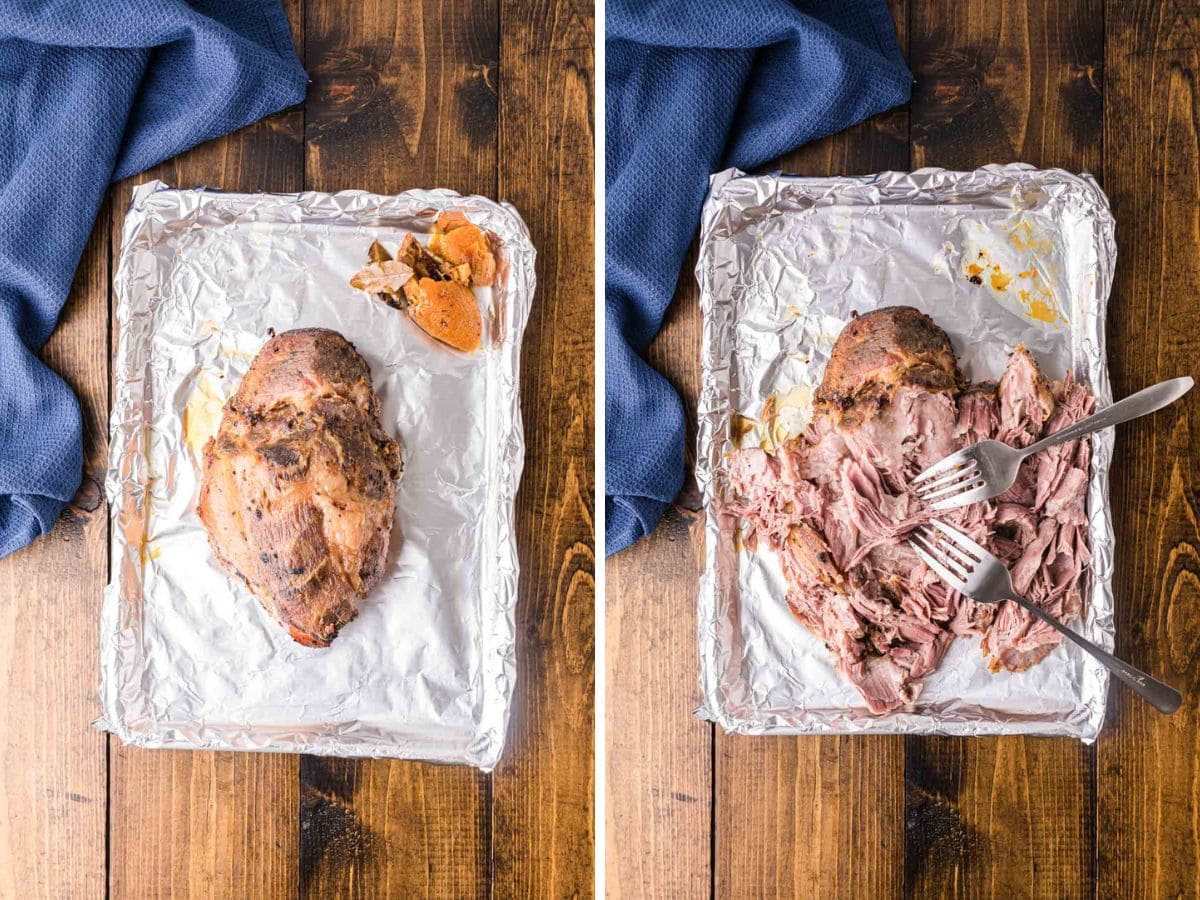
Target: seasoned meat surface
x=835 y=504
x=298 y=487
x=877 y=354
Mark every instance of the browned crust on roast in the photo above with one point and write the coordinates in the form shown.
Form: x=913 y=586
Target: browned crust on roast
x=298 y=485
x=877 y=354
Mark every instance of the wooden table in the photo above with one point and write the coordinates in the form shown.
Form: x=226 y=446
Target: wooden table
x=481 y=96
x=1110 y=88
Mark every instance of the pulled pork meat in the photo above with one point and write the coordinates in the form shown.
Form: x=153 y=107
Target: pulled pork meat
x=835 y=504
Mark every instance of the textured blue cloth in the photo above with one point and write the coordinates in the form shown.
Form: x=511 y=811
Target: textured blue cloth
x=92 y=91
x=694 y=87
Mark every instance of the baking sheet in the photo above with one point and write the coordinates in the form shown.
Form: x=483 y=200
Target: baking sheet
x=998 y=256
x=189 y=658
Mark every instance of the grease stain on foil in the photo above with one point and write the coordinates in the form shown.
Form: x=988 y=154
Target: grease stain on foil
x=1014 y=271
x=783 y=417
x=202 y=412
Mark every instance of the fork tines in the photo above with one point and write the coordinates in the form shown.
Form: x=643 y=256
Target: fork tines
x=955 y=460
x=948 y=552
x=953 y=476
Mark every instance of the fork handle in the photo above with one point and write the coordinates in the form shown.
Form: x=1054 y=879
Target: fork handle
x=1161 y=696
x=1145 y=401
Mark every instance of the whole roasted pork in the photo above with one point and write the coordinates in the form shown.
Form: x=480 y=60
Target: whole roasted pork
x=835 y=504
x=298 y=487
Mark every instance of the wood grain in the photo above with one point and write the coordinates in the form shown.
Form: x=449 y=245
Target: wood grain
x=1149 y=785
x=998 y=817
x=388 y=829
x=542 y=833
x=53 y=788
x=1001 y=83
x=1018 y=81
x=659 y=756
x=809 y=817
x=659 y=759
x=201 y=824
x=402 y=96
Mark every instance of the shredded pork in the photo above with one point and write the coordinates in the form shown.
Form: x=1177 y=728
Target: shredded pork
x=834 y=503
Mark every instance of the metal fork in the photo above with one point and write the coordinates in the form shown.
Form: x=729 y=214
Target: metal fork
x=974 y=572
x=988 y=468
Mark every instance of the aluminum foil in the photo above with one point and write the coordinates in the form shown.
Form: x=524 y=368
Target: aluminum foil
x=189 y=658
x=999 y=256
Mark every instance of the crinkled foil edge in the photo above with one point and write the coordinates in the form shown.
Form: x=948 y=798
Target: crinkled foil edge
x=736 y=200
x=126 y=710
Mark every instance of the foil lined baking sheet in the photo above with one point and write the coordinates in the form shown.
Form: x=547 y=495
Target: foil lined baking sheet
x=189 y=658
x=1000 y=256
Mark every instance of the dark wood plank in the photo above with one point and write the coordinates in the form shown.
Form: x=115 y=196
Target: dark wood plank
x=659 y=756
x=998 y=817
x=790 y=813
x=198 y=823
x=1149 y=786
x=380 y=829
x=53 y=782
x=402 y=96
x=542 y=806
x=1018 y=81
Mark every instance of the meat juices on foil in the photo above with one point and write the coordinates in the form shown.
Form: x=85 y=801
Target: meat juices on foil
x=835 y=504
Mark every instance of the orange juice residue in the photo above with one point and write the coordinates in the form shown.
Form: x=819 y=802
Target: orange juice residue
x=1024 y=238
x=1040 y=311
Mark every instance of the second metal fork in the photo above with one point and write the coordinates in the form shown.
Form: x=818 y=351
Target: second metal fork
x=975 y=573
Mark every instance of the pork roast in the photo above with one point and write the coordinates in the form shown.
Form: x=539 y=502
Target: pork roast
x=298 y=487
x=879 y=354
x=835 y=504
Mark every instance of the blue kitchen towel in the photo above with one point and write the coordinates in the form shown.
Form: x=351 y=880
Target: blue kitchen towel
x=92 y=92
x=695 y=86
